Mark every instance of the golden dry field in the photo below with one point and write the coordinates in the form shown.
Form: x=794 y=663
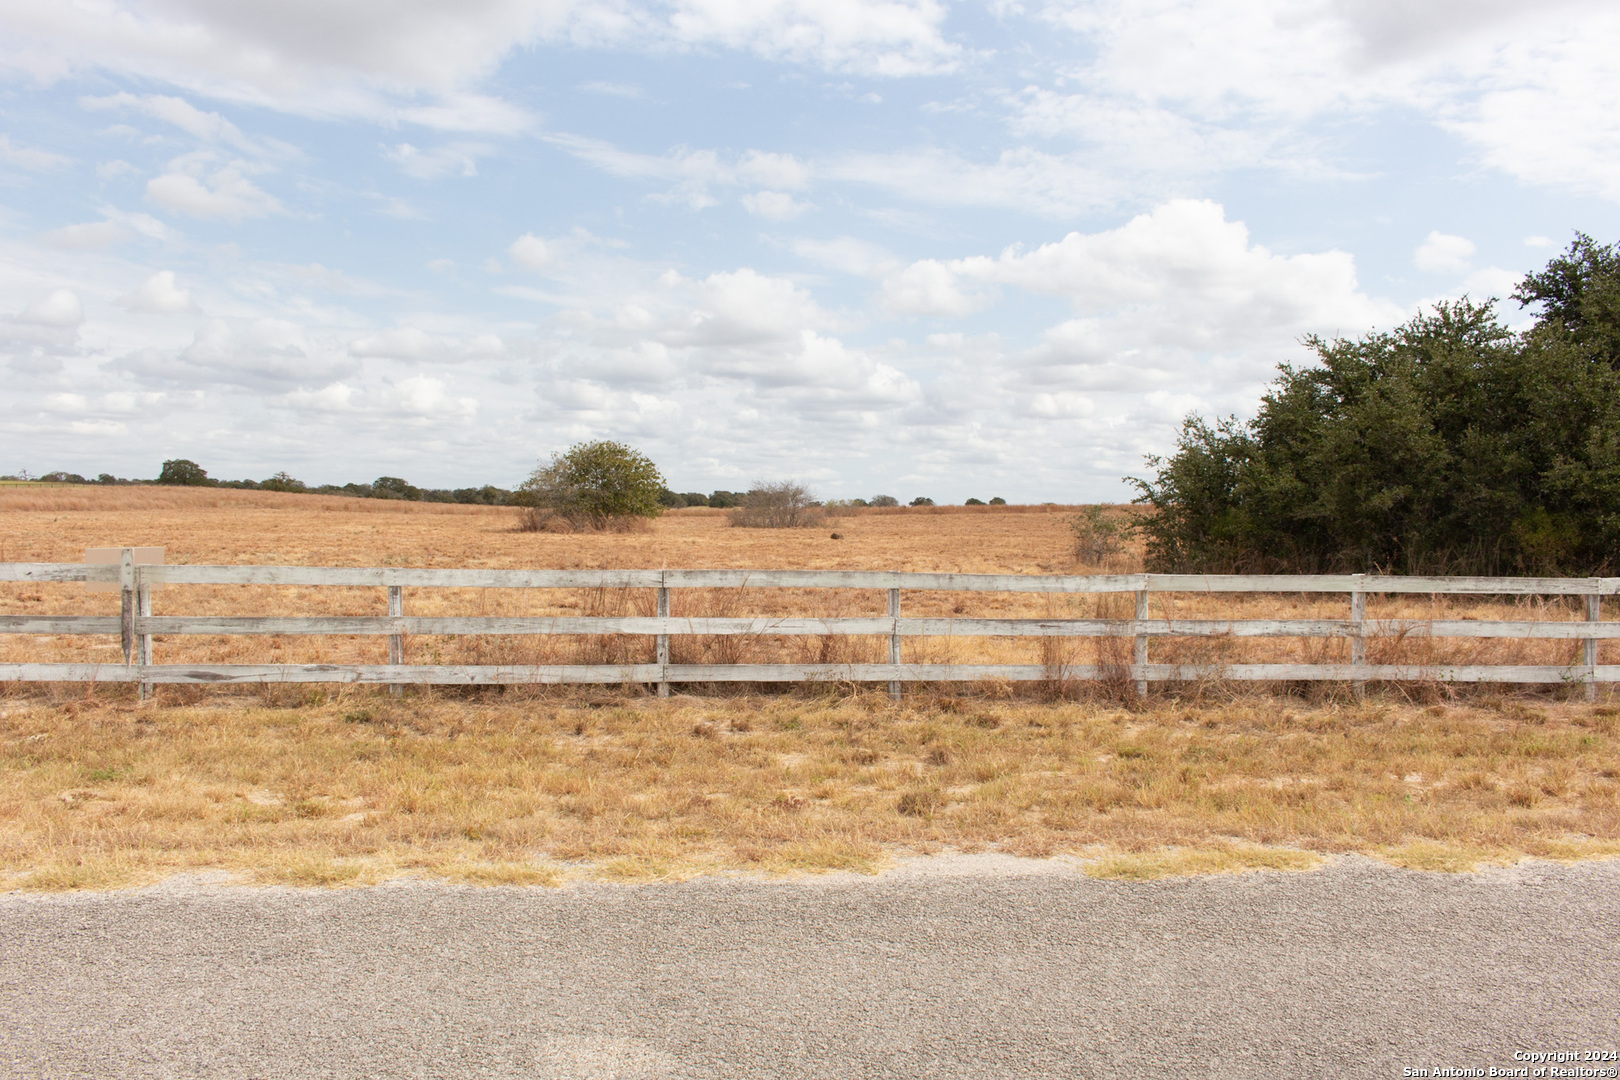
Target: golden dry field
x=328 y=786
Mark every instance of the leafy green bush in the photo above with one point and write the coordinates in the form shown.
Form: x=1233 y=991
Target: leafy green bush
x=594 y=485
x=1450 y=444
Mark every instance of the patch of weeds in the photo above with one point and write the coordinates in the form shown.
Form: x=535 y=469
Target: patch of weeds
x=1186 y=862
x=359 y=716
x=70 y=877
x=316 y=871
x=1430 y=855
x=501 y=873
x=920 y=802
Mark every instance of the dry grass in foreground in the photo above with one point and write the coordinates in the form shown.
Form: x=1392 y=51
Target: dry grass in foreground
x=360 y=787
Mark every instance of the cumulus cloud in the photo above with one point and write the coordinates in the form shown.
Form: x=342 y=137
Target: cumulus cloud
x=929 y=287
x=160 y=294
x=256 y=354
x=42 y=332
x=1177 y=83
x=203 y=186
x=59 y=308
x=425 y=397
x=1442 y=253
x=414 y=344
x=530 y=252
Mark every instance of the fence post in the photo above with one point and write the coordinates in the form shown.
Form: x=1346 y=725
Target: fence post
x=1358 y=640
x=663 y=639
x=143 y=642
x=894 y=640
x=396 y=642
x=1594 y=613
x=1141 y=655
x=126 y=611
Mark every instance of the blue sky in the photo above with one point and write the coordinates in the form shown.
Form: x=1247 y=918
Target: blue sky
x=911 y=247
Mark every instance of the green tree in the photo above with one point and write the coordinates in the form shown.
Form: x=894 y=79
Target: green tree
x=1579 y=291
x=1449 y=444
x=181 y=471
x=594 y=485
x=392 y=487
x=282 y=482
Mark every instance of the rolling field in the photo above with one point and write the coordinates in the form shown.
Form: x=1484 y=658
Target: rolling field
x=310 y=785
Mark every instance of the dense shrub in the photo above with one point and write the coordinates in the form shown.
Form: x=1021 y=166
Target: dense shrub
x=786 y=504
x=885 y=500
x=922 y=500
x=595 y=485
x=1450 y=444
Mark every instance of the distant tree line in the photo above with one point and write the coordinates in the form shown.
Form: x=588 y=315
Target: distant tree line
x=591 y=482
x=1451 y=444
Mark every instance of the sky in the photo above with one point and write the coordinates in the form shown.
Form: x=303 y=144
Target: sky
x=910 y=247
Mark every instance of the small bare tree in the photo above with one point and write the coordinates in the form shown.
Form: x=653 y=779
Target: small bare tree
x=1098 y=535
x=784 y=504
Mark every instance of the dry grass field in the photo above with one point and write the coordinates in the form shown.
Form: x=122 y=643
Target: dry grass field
x=315 y=786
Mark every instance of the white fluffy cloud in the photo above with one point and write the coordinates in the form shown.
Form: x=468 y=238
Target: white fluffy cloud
x=530 y=252
x=202 y=185
x=160 y=294
x=1184 y=85
x=1442 y=253
x=59 y=308
x=1226 y=290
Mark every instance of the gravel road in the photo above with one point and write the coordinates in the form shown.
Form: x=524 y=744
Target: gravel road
x=960 y=967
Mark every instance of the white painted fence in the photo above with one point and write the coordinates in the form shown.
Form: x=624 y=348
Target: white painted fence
x=136 y=625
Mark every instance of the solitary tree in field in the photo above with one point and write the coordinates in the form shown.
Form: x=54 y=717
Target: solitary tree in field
x=181 y=471
x=596 y=485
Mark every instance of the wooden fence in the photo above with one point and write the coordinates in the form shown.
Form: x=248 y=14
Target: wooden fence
x=136 y=625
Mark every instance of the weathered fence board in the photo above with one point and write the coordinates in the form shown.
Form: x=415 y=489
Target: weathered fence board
x=136 y=626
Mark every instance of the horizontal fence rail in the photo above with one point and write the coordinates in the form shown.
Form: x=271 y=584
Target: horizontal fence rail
x=135 y=626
